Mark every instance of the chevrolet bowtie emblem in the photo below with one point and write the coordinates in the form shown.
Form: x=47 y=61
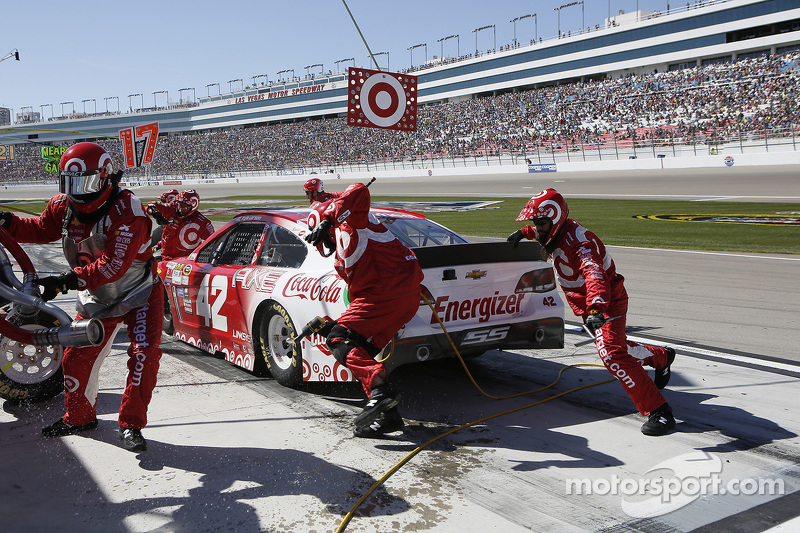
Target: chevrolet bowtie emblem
x=476 y=274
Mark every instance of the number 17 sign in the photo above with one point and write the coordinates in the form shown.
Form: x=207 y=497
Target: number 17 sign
x=139 y=144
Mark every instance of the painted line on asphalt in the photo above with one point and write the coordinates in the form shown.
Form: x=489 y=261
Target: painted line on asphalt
x=699 y=252
x=724 y=357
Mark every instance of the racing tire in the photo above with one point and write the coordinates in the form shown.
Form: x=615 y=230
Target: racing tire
x=168 y=326
x=31 y=373
x=274 y=351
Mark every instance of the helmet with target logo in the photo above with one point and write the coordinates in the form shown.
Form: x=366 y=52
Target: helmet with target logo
x=86 y=176
x=312 y=188
x=187 y=202
x=547 y=204
x=167 y=196
x=326 y=244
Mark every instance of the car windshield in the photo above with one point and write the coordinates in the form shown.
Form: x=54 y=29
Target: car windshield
x=420 y=232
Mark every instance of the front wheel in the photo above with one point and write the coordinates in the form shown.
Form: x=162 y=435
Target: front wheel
x=30 y=373
x=275 y=330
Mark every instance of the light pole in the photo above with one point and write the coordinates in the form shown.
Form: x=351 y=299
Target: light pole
x=343 y=60
x=13 y=53
x=41 y=108
x=536 y=25
x=411 y=50
x=494 y=32
x=89 y=100
x=208 y=88
x=231 y=82
x=107 y=98
x=266 y=78
x=559 y=8
x=51 y=110
x=30 y=113
x=312 y=66
x=376 y=61
x=62 y=107
x=131 y=96
x=166 y=102
x=180 y=93
x=458 y=44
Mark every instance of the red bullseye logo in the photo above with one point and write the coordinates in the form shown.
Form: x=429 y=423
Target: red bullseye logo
x=384 y=100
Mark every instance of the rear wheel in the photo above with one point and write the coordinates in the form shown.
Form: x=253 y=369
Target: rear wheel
x=275 y=352
x=30 y=373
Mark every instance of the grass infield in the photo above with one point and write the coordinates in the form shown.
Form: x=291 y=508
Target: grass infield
x=614 y=221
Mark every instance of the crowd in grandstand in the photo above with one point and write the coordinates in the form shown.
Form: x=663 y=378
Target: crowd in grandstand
x=722 y=100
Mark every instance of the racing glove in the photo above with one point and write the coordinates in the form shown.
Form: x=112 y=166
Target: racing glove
x=595 y=320
x=316 y=236
x=516 y=237
x=5 y=218
x=161 y=213
x=52 y=285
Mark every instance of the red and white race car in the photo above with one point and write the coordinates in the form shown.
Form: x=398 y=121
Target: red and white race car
x=252 y=286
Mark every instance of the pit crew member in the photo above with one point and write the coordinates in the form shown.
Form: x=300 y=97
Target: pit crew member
x=596 y=292
x=105 y=238
x=383 y=278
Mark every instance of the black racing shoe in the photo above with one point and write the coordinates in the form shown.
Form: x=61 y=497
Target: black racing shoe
x=132 y=439
x=382 y=399
x=663 y=374
x=61 y=428
x=659 y=422
x=387 y=421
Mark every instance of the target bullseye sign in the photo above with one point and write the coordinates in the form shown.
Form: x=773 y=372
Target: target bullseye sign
x=385 y=100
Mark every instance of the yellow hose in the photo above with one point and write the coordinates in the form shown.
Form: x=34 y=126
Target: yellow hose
x=407 y=458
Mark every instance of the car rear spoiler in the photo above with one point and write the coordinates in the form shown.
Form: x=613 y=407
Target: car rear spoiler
x=484 y=252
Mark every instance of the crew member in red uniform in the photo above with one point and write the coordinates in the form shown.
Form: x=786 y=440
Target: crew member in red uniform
x=105 y=235
x=383 y=278
x=315 y=191
x=596 y=292
x=185 y=227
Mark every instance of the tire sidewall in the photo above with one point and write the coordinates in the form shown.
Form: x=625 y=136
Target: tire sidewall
x=288 y=377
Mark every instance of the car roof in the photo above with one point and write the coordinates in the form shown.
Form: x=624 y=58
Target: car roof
x=298 y=214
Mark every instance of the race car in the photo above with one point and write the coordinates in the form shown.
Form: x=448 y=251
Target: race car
x=250 y=288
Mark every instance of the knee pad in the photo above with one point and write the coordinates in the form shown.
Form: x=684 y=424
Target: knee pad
x=341 y=340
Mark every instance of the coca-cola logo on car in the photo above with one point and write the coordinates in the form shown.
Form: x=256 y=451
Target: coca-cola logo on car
x=325 y=289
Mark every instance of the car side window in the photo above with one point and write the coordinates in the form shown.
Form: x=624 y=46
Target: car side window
x=282 y=248
x=235 y=247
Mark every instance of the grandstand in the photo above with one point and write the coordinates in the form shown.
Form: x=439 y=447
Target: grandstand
x=707 y=73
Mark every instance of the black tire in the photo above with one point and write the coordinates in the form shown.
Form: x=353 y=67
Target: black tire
x=31 y=373
x=168 y=326
x=274 y=352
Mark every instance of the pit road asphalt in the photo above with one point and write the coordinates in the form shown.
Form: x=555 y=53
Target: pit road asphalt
x=229 y=451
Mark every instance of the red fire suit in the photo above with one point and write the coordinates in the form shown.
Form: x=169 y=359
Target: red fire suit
x=182 y=235
x=383 y=277
x=113 y=261
x=590 y=281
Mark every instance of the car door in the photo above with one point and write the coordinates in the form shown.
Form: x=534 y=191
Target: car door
x=210 y=308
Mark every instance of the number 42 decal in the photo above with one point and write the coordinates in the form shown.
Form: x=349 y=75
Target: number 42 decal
x=210 y=298
x=549 y=301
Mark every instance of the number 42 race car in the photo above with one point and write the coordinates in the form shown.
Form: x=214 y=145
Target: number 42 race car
x=249 y=289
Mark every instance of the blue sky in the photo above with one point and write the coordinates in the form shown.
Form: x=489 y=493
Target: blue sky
x=102 y=52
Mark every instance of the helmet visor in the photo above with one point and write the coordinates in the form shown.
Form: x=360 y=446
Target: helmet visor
x=75 y=183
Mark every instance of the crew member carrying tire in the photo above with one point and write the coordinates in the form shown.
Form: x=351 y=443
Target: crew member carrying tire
x=383 y=278
x=105 y=236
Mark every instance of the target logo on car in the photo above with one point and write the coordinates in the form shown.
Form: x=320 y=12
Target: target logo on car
x=377 y=99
